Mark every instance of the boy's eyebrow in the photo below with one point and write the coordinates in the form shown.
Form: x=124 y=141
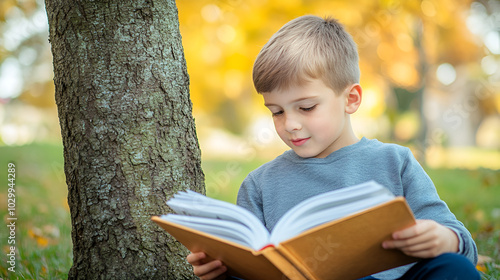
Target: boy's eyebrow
x=293 y=101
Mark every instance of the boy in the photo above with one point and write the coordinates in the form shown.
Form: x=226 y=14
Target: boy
x=308 y=75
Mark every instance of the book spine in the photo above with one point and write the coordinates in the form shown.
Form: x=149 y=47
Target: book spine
x=283 y=264
x=299 y=267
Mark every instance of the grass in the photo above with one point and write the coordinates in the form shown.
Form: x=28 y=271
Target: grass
x=43 y=226
x=472 y=195
x=43 y=231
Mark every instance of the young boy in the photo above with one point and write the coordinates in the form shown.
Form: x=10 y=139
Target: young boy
x=308 y=75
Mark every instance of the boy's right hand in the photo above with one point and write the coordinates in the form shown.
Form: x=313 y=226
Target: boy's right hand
x=206 y=269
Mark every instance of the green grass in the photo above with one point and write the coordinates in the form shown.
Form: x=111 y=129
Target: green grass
x=223 y=178
x=43 y=227
x=473 y=196
x=43 y=238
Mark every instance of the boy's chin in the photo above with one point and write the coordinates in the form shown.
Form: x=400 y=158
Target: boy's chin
x=305 y=154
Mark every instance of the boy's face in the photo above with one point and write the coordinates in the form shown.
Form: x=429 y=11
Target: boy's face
x=311 y=119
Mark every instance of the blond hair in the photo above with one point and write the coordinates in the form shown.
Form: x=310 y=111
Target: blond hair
x=308 y=47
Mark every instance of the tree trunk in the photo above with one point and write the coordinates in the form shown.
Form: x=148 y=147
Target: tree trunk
x=122 y=92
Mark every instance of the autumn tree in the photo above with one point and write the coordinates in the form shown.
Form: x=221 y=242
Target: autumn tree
x=122 y=93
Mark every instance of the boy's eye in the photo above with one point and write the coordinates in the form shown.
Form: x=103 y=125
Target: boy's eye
x=307 y=109
x=277 y=113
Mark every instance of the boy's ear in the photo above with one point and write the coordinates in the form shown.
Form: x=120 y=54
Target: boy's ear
x=353 y=98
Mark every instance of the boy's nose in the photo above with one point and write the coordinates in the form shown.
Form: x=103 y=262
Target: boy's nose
x=292 y=124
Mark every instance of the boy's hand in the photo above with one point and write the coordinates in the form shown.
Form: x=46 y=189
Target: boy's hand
x=426 y=239
x=206 y=269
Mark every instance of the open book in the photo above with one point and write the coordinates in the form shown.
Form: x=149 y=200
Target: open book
x=334 y=235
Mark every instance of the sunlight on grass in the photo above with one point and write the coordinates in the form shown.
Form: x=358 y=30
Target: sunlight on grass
x=463 y=158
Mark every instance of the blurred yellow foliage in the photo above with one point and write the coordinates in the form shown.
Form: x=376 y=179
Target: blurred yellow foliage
x=398 y=42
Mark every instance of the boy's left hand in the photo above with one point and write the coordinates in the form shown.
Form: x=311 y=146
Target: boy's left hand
x=426 y=239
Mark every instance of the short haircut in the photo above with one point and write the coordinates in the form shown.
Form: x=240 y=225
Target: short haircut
x=308 y=47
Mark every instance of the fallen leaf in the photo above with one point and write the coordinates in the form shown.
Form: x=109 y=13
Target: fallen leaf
x=481 y=260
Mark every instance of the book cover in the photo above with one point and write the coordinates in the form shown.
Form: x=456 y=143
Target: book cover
x=346 y=248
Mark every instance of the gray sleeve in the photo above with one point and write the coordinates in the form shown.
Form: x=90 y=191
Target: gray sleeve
x=424 y=200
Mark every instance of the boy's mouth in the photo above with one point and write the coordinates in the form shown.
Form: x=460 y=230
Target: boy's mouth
x=299 y=141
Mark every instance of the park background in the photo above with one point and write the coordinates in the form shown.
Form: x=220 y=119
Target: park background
x=431 y=80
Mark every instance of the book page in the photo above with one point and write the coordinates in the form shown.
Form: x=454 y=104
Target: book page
x=194 y=204
x=228 y=230
x=328 y=206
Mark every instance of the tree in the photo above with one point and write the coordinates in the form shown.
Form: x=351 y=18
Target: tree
x=122 y=93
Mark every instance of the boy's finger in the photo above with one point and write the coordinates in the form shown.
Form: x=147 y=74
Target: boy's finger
x=196 y=258
x=416 y=240
x=417 y=243
x=419 y=228
x=209 y=269
x=214 y=274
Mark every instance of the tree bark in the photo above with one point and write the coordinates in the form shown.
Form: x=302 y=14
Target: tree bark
x=122 y=92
